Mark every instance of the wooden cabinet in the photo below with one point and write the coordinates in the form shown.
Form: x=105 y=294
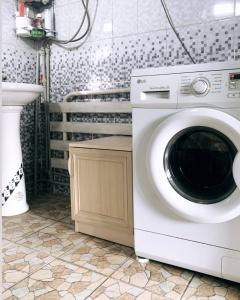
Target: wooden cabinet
x=101 y=188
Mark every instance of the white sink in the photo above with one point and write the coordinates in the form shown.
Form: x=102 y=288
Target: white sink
x=14 y=97
x=19 y=94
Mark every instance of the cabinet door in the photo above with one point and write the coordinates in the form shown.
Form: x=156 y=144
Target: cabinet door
x=101 y=185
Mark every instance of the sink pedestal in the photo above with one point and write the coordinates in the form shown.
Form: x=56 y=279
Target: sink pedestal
x=13 y=182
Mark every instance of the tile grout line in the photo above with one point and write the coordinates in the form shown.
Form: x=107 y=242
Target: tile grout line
x=28 y=234
x=96 y=288
x=34 y=248
x=64 y=261
x=185 y=290
x=54 y=258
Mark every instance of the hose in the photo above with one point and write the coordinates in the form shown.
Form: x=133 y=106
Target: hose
x=72 y=39
x=175 y=31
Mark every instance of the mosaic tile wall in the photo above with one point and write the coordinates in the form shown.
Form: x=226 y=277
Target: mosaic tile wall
x=19 y=65
x=135 y=34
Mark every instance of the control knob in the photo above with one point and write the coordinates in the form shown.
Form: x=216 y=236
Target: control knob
x=200 y=86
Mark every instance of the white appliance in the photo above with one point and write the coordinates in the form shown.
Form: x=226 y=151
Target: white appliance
x=186 y=166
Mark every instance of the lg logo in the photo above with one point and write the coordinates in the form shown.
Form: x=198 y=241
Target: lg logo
x=141 y=81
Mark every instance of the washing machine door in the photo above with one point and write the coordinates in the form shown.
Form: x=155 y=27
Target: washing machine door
x=194 y=164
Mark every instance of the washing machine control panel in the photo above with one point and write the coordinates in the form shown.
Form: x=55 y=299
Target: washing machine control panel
x=200 y=86
x=216 y=87
x=214 y=84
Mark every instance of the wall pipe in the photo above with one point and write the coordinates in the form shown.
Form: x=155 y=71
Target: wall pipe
x=36 y=129
x=47 y=117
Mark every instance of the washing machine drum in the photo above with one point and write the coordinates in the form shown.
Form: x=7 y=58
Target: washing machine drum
x=194 y=163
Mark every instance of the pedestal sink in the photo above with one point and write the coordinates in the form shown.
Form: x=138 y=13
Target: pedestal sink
x=14 y=97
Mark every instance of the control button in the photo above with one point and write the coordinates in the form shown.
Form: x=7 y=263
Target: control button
x=233 y=95
x=232 y=85
x=200 y=86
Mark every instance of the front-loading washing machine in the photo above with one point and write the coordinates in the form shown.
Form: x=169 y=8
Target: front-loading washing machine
x=186 y=166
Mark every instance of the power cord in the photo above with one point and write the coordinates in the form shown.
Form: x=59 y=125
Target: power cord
x=175 y=31
x=83 y=41
x=72 y=39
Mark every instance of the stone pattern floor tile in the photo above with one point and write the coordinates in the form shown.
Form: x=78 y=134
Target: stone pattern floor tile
x=204 y=287
x=57 y=209
x=60 y=228
x=67 y=220
x=31 y=271
x=115 y=289
x=164 y=280
x=99 y=255
x=55 y=245
x=5 y=243
x=57 y=280
x=19 y=262
x=17 y=227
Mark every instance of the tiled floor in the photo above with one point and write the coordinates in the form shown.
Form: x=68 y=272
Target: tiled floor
x=44 y=259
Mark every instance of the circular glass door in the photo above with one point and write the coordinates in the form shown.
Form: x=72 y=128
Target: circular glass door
x=198 y=162
x=193 y=163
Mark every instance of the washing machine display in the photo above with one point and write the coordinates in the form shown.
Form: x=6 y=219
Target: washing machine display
x=198 y=162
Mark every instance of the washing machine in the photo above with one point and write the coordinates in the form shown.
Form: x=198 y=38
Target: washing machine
x=186 y=166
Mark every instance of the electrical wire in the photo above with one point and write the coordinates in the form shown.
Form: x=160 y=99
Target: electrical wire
x=83 y=20
x=175 y=31
x=72 y=39
x=74 y=47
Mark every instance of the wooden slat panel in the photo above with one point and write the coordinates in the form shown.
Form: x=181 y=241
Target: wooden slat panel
x=100 y=128
x=59 y=145
x=85 y=107
x=104 y=92
x=97 y=92
x=59 y=163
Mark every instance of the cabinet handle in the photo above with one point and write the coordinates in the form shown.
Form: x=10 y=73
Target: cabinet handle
x=69 y=166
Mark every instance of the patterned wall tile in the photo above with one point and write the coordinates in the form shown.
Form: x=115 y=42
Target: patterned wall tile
x=9 y=62
x=237 y=7
x=79 y=136
x=123 y=118
x=68 y=23
x=103 y=118
x=8 y=8
x=175 y=52
x=63 y=2
x=124 y=17
x=26 y=66
x=27 y=142
x=125 y=58
x=151 y=16
x=70 y=70
x=19 y=65
x=102 y=27
x=195 y=12
x=217 y=42
x=101 y=65
x=152 y=49
x=60 y=188
x=236 y=25
x=126 y=35
x=80 y=117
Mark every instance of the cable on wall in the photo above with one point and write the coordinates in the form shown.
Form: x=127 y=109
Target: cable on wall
x=175 y=31
x=83 y=41
x=85 y=16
